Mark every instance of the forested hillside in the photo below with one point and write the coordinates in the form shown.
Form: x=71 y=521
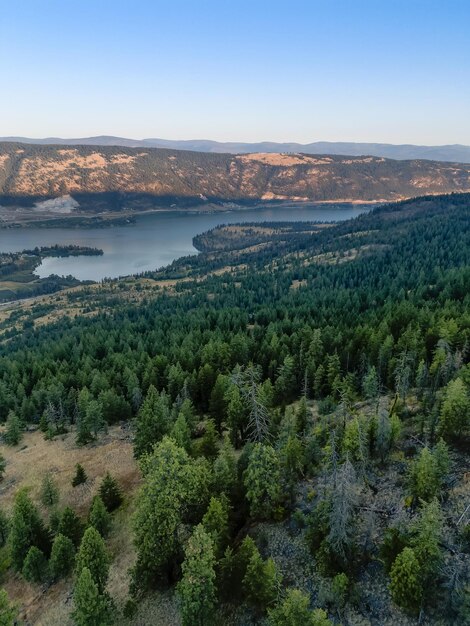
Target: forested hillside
x=115 y=178
x=299 y=413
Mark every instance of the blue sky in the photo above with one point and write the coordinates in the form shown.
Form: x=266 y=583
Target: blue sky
x=395 y=71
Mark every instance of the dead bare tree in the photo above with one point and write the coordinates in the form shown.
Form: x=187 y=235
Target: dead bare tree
x=344 y=499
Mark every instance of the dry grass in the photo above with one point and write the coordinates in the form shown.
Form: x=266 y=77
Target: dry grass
x=26 y=466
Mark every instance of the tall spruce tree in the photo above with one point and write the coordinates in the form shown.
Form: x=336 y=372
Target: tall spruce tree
x=27 y=529
x=92 y=607
x=93 y=555
x=197 y=590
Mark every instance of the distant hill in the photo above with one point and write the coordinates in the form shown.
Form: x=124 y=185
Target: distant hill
x=111 y=177
x=455 y=153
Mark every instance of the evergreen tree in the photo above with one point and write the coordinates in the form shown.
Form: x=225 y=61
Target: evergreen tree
x=49 y=491
x=80 y=476
x=442 y=459
x=92 y=608
x=152 y=422
x=215 y=523
x=110 y=493
x=172 y=484
x=302 y=416
x=225 y=469
x=427 y=533
x=8 y=612
x=4 y=528
x=99 y=517
x=84 y=434
x=62 y=556
x=262 y=481
x=93 y=555
x=455 y=410
x=294 y=611
x=71 y=526
x=14 y=429
x=370 y=384
x=218 y=400
x=262 y=582
x=209 y=441
x=405 y=581
x=424 y=477
x=181 y=432
x=196 y=590
x=27 y=529
x=232 y=569
x=3 y=465
x=236 y=415
x=35 y=567
x=292 y=460
x=94 y=418
x=286 y=384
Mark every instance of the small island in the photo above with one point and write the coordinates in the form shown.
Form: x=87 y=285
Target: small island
x=17 y=277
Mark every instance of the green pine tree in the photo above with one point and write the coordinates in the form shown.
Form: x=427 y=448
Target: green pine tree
x=26 y=530
x=80 y=476
x=424 y=476
x=92 y=608
x=152 y=422
x=209 y=442
x=181 y=432
x=35 y=567
x=405 y=581
x=262 y=582
x=8 y=612
x=197 y=590
x=13 y=429
x=4 y=528
x=110 y=493
x=3 y=465
x=294 y=611
x=49 y=491
x=71 y=526
x=262 y=481
x=215 y=523
x=93 y=555
x=173 y=483
x=99 y=517
x=62 y=557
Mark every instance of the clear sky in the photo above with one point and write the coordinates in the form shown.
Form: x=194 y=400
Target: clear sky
x=393 y=71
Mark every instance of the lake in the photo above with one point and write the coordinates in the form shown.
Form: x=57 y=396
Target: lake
x=155 y=240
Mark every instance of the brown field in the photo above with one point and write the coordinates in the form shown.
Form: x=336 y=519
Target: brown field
x=26 y=465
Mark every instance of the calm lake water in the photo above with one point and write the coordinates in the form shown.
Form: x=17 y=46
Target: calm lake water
x=153 y=241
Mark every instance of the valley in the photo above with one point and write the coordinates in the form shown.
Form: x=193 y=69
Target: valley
x=346 y=340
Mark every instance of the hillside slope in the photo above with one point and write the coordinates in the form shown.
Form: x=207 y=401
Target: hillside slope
x=341 y=351
x=145 y=177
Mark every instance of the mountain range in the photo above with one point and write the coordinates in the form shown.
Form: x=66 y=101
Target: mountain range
x=103 y=178
x=456 y=153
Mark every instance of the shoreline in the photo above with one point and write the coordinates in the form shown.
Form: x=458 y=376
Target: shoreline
x=127 y=217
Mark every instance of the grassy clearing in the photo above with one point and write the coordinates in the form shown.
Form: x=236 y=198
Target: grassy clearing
x=26 y=466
